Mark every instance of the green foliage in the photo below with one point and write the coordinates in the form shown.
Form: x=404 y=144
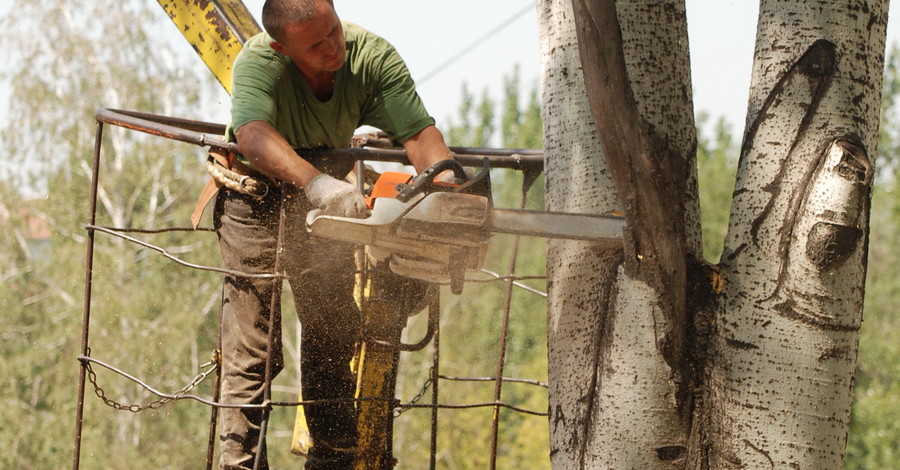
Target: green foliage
x=889 y=131
x=520 y=128
x=152 y=321
x=874 y=429
x=476 y=121
x=716 y=167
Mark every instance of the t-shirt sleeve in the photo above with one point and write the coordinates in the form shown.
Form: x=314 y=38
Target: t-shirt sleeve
x=254 y=79
x=395 y=107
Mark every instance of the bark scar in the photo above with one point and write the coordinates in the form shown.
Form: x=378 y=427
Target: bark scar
x=818 y=66
x=855 y=165
x=829 y=244
x=761 y=452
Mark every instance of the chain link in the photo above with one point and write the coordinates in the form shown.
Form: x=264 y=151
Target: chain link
x=156 y=404
x=402 y=409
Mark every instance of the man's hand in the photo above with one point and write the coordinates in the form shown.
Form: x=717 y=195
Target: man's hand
x=335 y=197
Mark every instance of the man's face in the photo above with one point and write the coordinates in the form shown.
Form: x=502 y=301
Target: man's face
x=316 y=46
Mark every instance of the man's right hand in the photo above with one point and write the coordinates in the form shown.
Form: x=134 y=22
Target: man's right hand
x=335 y=197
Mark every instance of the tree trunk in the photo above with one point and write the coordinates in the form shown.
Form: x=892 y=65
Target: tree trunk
x=577 y=180
x=607 y=338
x=782 y=362
x=644 y=371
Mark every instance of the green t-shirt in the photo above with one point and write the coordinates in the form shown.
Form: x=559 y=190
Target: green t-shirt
x=373 y=88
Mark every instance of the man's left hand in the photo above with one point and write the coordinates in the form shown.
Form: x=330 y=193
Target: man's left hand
x=335 y=197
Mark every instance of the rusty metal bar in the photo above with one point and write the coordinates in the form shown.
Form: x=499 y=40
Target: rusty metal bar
x=435 y=375
x=471 y=406
x=528 y=179
x=501 y=347
x=183 y=130
x=536 y=383
x=214 y=411
x=212 y=135
x=272 y=404
x=274 y=306
x=87 y=360
x=88 y=283
x=515 y=279
x=165 y=253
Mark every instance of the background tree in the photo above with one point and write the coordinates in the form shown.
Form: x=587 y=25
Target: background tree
x=717 y=156
x=876 y=408
x=66 y=59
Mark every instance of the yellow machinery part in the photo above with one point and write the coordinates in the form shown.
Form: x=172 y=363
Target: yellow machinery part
x=376 y=366
x=301 y=441
x=377 y=373
x=217 y=30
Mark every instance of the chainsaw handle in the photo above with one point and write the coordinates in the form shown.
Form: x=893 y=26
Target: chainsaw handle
x=425 y=180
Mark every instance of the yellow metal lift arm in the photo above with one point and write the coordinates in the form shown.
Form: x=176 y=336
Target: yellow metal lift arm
x=217 y=30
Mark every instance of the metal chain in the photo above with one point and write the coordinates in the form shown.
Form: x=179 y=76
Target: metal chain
x=156 y=404
x=401 y=409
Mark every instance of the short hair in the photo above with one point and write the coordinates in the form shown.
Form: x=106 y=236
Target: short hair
x=278 y=14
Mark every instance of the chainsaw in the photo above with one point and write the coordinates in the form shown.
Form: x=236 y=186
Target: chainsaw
x=429 y=230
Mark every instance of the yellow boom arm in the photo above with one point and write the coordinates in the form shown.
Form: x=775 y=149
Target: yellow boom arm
x=217 y=29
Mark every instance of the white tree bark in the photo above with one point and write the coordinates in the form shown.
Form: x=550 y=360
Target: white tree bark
x=612 y=401
x=577 y=180
x=635 y=421
x=783 y=356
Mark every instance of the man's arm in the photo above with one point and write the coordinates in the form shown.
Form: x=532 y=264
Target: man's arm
x=426 y=148
x=272 y=155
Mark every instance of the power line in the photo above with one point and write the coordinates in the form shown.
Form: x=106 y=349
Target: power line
x=475 y=44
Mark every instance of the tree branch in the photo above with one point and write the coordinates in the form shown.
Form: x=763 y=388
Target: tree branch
x=649 y=175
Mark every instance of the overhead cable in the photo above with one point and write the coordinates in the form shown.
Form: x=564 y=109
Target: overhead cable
x=475 y=44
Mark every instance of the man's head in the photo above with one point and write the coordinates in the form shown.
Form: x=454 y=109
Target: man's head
x=307 y=31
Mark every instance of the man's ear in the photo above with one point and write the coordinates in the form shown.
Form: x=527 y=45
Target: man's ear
x=278 y=47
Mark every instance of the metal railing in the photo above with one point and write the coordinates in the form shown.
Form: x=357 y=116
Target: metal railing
x=210 y=135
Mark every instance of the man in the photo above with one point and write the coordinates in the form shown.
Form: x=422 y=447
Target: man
x=308 y=82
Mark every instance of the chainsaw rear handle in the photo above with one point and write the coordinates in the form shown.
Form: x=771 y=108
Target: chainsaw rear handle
x=425 y=180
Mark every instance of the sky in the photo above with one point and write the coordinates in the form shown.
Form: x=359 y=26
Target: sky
x=721 y=33
x=429 y=33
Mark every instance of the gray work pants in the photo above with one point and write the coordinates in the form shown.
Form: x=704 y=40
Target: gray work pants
x=320 y=273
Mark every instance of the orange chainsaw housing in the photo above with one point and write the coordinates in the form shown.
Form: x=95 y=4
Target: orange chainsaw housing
x=386 y=186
